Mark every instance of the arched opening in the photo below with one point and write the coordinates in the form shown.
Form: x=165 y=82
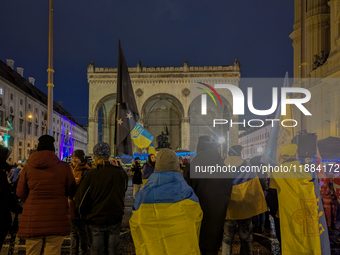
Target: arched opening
x=203 y=124
x=163 y=111
x=103 y=115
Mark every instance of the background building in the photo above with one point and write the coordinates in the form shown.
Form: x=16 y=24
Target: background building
x=254 y=139
x=24 y=106
x=163 y=97
x=323 y=64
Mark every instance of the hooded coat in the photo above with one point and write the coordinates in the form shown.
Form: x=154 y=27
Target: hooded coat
x=45 y=182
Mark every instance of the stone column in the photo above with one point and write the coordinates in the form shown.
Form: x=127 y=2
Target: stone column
x=233 y=132
x=105 y=133
x=185 y=133
x=92 y=134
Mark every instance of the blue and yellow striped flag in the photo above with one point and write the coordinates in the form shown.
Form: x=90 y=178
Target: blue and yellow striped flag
x=152 y=149
x=166 y=216
x=141 y=137
x=247 y=197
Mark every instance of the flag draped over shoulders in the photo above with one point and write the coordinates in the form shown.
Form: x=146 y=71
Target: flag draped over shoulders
x=247 y=197
x=166 y=216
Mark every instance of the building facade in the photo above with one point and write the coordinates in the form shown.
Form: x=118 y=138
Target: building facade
x=254 y=140
x=163 y=98
x=23 y=117
x=323 y=64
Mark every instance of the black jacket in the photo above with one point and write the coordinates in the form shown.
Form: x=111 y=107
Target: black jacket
x=137 y=174
x=8 y=203
x=214 y=196
x=100 y=195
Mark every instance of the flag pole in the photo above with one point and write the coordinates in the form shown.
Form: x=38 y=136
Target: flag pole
x=303 y=59
x=50 y=72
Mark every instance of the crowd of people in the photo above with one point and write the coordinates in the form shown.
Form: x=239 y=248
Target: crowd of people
x=173 y=213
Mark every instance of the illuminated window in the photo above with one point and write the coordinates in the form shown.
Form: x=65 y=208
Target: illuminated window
x=1 y=91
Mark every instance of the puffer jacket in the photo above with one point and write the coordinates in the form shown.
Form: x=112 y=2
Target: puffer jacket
x=45 y=182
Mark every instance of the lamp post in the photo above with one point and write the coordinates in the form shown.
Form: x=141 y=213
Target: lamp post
x=221 y=140
x=50 y=72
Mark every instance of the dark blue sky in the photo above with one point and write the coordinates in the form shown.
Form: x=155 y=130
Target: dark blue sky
x=159 y=33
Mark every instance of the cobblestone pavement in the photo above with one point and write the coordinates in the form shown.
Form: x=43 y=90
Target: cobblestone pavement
x=261 y=244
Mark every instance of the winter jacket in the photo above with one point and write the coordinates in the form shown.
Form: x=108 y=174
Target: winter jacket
x=45 y=182
x=137 y=174
x=147 y=171
x=8 y=203
x=100 y=195
x=79 y=172
x=214 y=196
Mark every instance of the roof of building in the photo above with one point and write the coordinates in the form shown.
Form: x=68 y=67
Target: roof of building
x=26 y=87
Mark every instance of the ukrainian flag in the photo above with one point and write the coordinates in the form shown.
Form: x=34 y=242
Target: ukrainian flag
x=247 y=197
x=166 y=217
x=152 y=149
x=302 y=219
x=141 y=137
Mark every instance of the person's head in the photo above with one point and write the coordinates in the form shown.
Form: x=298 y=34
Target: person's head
x=4 y=153
x=256 y=161
x=46 y=142
x=167 y=161
x=206 y=143
x=289 y=151
x=137 y=160
x=185 y=161
x=101 y=153
x=235 y=150
x=330 y=178
x=151 y=158
x=78 y=156
x=113 y=161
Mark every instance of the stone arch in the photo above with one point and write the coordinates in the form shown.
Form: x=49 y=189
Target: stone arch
x=203 y=124
x=101 y=102
x=160 y=109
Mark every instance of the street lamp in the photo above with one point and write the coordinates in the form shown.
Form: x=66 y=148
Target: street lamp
x=221 y=140
x=30 y=116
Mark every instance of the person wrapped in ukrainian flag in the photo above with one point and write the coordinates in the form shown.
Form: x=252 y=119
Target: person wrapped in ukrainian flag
x=301 y=216
x=166 y=215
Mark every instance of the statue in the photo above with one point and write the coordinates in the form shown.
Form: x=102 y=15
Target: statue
x=163 y=139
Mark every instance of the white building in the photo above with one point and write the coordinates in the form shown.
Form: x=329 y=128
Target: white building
x=254 y=140
x=25 y=107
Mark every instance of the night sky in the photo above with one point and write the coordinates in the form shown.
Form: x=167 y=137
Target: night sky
x=159 y=33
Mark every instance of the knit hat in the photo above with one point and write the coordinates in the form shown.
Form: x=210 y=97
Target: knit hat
x=206 y=143
x=167 y=160
x=235 y=150
x=46 y=143
x=288 y=150
x=102 y=149
x=79 y=154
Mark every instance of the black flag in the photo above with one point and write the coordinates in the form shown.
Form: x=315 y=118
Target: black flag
x=126 y=111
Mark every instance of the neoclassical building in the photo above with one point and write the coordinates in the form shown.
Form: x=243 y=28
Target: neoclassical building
x=164 y=99
x=24 y=107
x=323 y=64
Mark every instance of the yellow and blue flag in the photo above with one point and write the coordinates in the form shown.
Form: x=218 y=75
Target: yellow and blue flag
x=247 y=197
x=152 y=149
x=166 y=216
x=302 y=219
x=141 y=137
